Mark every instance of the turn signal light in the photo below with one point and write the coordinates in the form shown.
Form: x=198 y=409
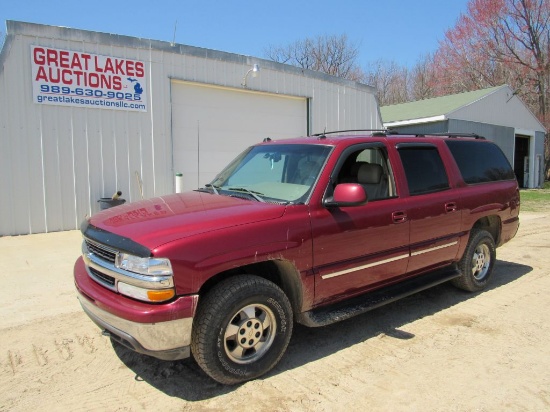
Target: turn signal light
x=160 y=295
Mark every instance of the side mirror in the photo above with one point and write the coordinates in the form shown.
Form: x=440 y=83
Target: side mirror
x=346 y=195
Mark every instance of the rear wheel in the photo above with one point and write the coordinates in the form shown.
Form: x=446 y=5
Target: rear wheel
x=477 y=262
x=241 y=329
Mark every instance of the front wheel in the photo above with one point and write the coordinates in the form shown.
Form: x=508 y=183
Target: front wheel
x=477 y=262
x=241 y=329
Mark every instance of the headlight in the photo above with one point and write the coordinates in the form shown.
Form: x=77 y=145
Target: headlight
x=145 y=266
x=149 y=266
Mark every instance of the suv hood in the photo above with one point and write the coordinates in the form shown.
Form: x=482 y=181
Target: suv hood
x=160 y=220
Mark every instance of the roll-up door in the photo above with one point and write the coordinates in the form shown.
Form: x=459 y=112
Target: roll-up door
x=211 y=125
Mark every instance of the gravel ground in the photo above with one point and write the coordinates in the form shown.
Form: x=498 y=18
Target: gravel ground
x=439 y=350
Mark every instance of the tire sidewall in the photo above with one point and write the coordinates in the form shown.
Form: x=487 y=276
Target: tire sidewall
x=478 y=238
x=246 y=290
x=274 y=353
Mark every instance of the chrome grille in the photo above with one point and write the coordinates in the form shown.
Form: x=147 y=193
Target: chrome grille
x=102 y=277
x=101 y=251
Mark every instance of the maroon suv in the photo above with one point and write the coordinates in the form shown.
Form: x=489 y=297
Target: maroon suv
x=311 y=230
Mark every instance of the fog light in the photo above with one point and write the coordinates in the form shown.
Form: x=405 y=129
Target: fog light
x=146 y=295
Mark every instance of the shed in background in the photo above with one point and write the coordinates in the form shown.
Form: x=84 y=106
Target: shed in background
x=496 y=113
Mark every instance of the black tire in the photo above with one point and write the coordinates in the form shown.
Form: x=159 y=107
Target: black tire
x=241 y=329
x=477 y=262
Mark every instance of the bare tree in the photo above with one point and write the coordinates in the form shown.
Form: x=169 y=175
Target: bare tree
x=422 y=79
x=500 y=41
x=390 y=80
x=334 y=55
x=337 y=56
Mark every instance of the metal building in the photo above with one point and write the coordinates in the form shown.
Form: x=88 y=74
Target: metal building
x=84 y=114
x=496 y=113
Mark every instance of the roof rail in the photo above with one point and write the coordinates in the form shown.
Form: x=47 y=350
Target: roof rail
x=453 y=135
x=378 y=132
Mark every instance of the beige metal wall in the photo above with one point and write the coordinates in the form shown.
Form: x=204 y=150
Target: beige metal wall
x=56 y=162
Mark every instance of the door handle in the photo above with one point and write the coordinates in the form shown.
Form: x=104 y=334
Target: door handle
x=399 y=217
x=450 y=207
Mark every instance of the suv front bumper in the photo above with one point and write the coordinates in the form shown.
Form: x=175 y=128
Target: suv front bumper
x=159 y=330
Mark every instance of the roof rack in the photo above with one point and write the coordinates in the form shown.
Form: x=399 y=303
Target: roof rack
x=453 y=135
x=375 y=132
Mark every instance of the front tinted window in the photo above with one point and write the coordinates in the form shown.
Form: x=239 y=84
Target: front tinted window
x=369 y=167
x=424 y=169
x=480 y=162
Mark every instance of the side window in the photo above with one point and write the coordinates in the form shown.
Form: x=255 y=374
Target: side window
x=424 y=169
x=480 y=162
x=370 y=168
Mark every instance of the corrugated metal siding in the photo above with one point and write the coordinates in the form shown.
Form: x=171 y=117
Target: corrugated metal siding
x=56 y=161
x=61 y=160
x=502 y=108
x=424 y=128
x=539 y=151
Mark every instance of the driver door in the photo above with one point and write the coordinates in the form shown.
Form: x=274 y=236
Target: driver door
x=356 y=248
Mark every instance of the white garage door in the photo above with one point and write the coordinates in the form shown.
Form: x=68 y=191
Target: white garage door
x=211 y=125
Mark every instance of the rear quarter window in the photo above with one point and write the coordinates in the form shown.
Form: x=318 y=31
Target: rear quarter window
x=424 y=169
x=480 y=162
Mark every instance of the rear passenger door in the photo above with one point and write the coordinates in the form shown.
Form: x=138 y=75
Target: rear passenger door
x=433 y=207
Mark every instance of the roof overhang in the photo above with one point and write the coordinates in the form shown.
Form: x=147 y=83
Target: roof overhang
x=410 y=122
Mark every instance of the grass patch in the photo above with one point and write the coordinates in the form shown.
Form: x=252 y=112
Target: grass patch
x=536 y=200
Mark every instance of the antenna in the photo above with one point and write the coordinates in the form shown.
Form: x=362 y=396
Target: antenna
x=174 y=38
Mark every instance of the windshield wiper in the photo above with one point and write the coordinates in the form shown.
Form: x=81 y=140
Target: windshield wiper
x=255 y=195
x=214 y=188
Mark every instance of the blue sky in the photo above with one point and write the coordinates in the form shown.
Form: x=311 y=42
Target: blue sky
x=397 y=30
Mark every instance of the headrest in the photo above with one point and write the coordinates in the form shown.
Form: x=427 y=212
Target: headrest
x=369 y=173
x=355 y=168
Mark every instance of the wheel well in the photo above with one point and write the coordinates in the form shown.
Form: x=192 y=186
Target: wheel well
x=492 y=225
x=280 y=272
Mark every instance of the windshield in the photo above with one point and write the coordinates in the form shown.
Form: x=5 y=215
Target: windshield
x=272 y=173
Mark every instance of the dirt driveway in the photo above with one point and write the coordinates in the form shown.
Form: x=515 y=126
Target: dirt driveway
x=440 y=350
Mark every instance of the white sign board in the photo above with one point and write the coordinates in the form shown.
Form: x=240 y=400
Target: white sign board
x=70 y=78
